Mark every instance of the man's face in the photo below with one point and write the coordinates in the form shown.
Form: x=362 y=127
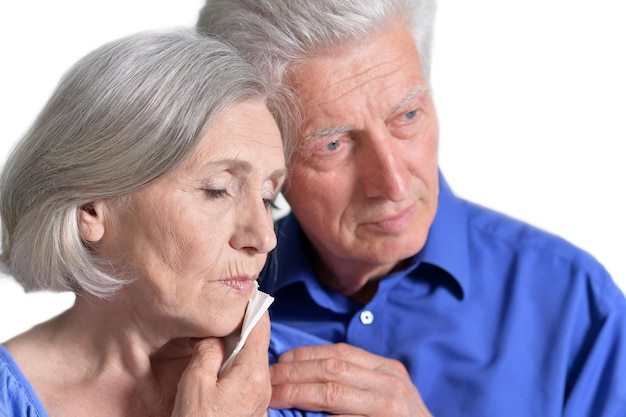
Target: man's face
x=364 y=182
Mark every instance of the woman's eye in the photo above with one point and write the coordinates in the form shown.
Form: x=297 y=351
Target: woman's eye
x=270 y=203
x=216 y=193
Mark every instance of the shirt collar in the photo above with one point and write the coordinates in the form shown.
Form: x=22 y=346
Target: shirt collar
x=446 y=247
x=288 y=261
x=447 y=244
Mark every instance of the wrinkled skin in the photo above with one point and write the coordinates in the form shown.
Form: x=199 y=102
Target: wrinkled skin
x=243 y=390
x=364 y=187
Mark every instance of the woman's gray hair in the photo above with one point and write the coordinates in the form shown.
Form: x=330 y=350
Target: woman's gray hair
x=125 y=115
x=277 y=34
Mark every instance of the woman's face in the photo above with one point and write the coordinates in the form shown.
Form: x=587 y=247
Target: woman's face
x=197 y=239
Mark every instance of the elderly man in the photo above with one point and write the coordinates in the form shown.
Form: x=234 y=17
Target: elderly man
x=400 y=298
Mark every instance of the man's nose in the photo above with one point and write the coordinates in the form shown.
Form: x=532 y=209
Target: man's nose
x=383 y=169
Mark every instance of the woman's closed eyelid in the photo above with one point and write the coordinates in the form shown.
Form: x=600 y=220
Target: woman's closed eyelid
x=270 y=203
x=216 y=192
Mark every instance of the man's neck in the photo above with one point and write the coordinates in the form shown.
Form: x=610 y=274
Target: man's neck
x=356 y=281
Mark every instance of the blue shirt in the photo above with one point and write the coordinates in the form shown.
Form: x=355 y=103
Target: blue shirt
x=492 y=318
x=17 y=397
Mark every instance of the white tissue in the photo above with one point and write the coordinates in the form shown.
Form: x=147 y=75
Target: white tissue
x=257 y=305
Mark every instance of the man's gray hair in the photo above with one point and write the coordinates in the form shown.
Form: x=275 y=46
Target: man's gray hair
x=276 y=34
x=125 y=115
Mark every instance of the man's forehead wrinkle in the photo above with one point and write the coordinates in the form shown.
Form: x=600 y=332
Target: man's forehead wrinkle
x=333 y=130
x=355 y=79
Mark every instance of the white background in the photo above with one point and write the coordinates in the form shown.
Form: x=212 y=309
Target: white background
x=531 y=98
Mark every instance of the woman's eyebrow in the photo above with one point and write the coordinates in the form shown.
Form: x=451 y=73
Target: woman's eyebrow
x=245 y=167
x=278 y=174
x=233 y=163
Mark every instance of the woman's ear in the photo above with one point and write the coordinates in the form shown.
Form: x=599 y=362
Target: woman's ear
x=91 y=221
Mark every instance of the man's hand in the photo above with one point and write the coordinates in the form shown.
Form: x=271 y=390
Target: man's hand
x=344 y=380
x=243 y=390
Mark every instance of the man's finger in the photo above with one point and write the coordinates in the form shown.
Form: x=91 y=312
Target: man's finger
x=347 y=353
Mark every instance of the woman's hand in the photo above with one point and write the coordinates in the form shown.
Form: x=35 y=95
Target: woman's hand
x=243 y=390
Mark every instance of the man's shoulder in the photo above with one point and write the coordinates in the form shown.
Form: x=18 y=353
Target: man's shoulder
x=488 y=224
x=536 y=251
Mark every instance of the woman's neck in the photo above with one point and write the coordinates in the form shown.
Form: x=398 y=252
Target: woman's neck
x=96 y=359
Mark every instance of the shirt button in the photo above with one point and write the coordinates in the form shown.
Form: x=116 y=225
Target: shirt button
x=367 y=317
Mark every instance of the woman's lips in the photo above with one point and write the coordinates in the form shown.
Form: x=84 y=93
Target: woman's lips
x=244 y=285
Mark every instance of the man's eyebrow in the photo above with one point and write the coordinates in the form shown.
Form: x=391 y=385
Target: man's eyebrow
x=417 y=90
x=337 y=130
x=327 y=132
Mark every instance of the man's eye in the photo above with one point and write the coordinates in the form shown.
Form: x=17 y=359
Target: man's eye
x=410 y=115
x=331 y=146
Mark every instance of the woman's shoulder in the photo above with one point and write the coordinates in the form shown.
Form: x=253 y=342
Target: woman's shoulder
x=17 y=397
x=25 y=349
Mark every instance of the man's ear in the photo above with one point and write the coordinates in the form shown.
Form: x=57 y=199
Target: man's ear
x=91 y=221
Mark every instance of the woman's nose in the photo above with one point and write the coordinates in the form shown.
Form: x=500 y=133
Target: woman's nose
x=254 y=231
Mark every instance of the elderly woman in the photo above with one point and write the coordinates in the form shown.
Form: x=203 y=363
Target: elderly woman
x=145 y=187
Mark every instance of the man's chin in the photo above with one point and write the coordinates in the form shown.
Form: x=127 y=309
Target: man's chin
x=393 y=252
